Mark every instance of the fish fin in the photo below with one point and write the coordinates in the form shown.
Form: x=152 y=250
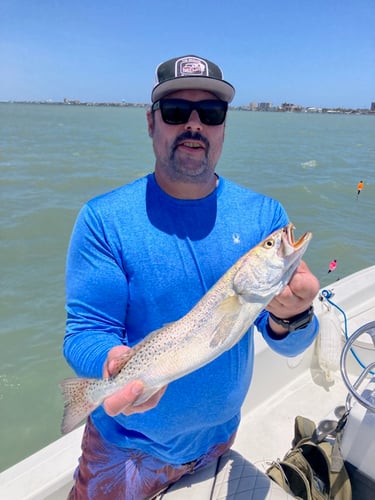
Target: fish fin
x=229 y=308
x=146 y=394
x=230 y=305
x=77 y=405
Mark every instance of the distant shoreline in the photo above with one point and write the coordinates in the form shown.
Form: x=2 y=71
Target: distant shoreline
x=262 y=107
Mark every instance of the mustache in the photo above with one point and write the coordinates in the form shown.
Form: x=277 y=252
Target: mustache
x=188 y=135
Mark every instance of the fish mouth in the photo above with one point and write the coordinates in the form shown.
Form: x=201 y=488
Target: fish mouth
x=290 y=244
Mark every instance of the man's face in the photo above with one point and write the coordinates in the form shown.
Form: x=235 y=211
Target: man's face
x=190 y=151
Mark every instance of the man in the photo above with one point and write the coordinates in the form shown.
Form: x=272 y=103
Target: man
x=142 y=256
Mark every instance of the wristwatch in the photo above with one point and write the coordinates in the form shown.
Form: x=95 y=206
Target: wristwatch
x=295 y=322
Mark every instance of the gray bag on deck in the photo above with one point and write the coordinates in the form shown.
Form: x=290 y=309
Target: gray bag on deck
x=307 y=470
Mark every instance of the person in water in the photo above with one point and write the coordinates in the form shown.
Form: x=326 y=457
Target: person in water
x=142 y=256
x=332 y=266
x=359 y=188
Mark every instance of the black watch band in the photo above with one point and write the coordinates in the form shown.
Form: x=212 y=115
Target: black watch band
x=295 y=322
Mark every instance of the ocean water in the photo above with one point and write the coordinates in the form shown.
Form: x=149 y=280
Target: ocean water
x=54 y=158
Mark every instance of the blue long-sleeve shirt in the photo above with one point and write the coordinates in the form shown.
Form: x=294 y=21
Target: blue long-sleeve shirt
x=138 y=259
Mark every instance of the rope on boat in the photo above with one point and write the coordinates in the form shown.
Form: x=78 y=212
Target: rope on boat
x=327 y=294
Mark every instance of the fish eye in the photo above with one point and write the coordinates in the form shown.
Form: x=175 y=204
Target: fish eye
x=268 y=243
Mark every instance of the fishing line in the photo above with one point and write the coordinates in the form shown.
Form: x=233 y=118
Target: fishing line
x=327 y=294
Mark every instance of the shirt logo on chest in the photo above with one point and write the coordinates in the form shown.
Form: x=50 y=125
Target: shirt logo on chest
x=236 y=238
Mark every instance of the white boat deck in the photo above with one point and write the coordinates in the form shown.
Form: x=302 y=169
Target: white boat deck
x=267 y=431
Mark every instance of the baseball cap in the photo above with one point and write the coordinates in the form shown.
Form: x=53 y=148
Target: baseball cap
x=190 y=72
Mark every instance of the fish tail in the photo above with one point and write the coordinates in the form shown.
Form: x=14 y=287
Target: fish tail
x=77 y=404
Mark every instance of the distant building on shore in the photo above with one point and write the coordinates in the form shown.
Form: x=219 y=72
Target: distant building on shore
x=265 y=106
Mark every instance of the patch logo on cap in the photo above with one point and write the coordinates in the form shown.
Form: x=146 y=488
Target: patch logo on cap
x=191 y=66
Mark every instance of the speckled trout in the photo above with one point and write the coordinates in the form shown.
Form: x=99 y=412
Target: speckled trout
x=214 y=325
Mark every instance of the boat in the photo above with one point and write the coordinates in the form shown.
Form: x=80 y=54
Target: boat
x=335 y=376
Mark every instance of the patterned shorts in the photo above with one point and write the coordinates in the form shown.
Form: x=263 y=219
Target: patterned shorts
x=106 y=471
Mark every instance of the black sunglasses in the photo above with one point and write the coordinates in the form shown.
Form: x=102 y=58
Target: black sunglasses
x=178 y=111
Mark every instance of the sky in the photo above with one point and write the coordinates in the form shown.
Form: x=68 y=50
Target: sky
x=306 y=52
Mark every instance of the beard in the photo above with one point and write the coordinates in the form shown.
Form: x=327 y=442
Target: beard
x=185 y=167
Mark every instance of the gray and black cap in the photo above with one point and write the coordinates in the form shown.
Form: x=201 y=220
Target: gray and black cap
x=190 y=72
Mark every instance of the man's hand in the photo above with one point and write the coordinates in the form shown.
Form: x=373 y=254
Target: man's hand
x=296 y=297
x=122 y=401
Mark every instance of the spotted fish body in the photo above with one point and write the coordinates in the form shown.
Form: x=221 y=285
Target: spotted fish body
x=214 y=325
